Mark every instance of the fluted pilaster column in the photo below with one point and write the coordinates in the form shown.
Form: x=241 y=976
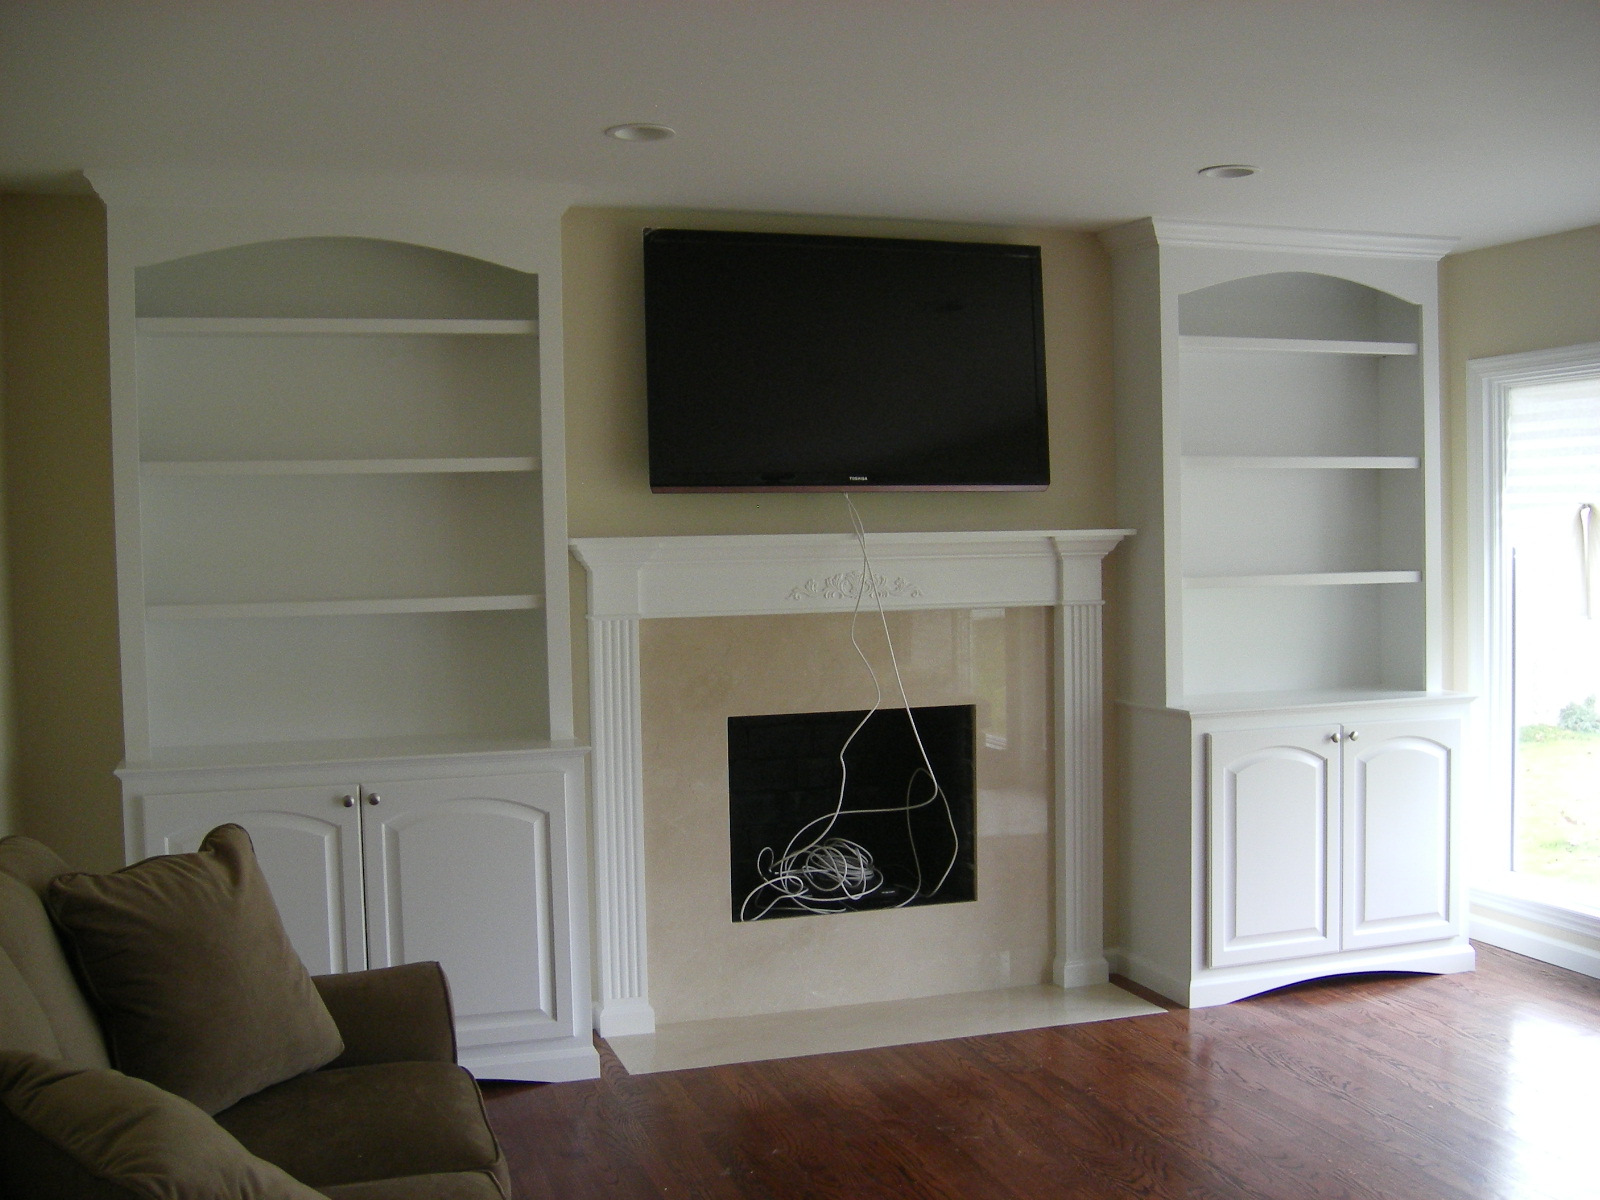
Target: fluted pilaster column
x=622 y=977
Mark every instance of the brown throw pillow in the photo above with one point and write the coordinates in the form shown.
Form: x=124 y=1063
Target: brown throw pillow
x=185 y=960
x=97 y=1133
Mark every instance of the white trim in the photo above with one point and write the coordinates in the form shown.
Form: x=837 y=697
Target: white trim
x=631 y=579
x=177 y=468
x=177 y=187
x=1489 y=385
x=622 y=964
x=773 y=574
x=1564 y=937
x=1282 y=345
x=342 y=326
x=1150 y=230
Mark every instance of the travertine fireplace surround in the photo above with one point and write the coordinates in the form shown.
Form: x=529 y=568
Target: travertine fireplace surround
x=696 y=672
x=660 y=800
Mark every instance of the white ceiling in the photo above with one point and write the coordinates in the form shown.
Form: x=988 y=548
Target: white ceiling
x=1475 y=118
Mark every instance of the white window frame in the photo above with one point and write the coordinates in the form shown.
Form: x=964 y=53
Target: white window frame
x=1533 y=916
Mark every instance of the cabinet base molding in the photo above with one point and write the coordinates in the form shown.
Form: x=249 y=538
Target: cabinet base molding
x=551 y=1064
x=1208 y=988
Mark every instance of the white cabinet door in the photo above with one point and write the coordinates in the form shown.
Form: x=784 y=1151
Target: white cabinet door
x=1399 y=794
x=472 y=873
x=1274 y=827
x=307 y=840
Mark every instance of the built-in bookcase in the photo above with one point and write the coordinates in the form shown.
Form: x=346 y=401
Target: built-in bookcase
x=1291 y=764
x=342 y=575
x=341 y=508
x=1278 y=432
x=1301 y=499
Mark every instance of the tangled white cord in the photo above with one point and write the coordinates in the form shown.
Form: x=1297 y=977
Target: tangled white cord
x=816 y=875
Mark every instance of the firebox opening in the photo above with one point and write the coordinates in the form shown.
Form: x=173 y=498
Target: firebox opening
x=896 y=841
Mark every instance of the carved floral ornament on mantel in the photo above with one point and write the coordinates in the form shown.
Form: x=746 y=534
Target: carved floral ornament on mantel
x=848 y=585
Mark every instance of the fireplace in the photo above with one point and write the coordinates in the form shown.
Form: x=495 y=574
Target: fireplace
x=664 y=945
x=838 y=812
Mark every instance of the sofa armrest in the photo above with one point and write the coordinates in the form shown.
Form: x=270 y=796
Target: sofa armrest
x=392 y=1014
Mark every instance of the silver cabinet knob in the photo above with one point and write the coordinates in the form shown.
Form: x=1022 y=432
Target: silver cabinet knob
x=1352 y=735
x=1334 y=736
x=348 y=801
x=374 y=798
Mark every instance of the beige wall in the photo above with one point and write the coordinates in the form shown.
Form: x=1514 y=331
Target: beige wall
x=1532 y=295
x=65 y=695
x=608 y=485
x=55 y=452
x=8 y=818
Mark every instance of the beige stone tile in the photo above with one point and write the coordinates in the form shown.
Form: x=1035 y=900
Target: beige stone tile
x=697 y=672
x=868 y=1026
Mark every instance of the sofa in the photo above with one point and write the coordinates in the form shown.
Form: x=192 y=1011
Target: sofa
x=160 y=1038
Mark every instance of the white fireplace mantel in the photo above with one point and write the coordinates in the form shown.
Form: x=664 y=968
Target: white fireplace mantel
x=757 y=575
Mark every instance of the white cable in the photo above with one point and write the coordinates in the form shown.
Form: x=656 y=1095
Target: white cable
x=818 y=873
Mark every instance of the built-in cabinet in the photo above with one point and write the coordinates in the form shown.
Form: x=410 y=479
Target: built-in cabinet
x=1289 y=754
x=341 y=545
x=1325 y=838
x=381 y=864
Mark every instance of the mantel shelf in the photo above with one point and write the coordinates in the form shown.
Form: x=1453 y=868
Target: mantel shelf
x=279 y=326
x=343 y=608
x=1304 y=462
x=1296 y=345
x=340 y=466
x=1308 y=579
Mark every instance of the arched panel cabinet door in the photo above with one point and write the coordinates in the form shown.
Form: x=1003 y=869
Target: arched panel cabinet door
x=472 y=873
x=1400 y=792
x=1274 y=829
x=307 y=840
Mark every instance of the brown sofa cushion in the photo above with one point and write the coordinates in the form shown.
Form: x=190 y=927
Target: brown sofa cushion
x=432 y=1123
x=391 y=1014
x=99 y=1135
x=420 y=1187
x=24 y=1027
x=30 y=861
x=186 y=961
x=29 y=941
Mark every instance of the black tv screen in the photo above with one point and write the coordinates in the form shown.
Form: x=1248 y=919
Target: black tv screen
x=787 y=362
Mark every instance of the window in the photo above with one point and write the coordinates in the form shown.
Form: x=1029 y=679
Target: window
x=1534 y=616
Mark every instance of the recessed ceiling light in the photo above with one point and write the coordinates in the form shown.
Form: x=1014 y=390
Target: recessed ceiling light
x=1228 y=171
x=641 y=131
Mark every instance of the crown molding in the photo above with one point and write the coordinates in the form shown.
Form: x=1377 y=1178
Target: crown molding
x=1162 y=231
x=313 y=190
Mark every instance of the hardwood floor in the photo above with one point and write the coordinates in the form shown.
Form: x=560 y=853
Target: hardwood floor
x=1380 y=1087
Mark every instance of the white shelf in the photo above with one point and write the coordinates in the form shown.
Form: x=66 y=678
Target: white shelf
x=1296 y=345
x=1277 y=703
x=340 y=753
x=279 y=326
x=342 y=466
x=1312 y=579
x=343 y=608
x=1304 y=462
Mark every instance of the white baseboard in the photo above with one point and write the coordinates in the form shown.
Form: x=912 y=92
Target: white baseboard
x=570 y=1059
x=1081 y=973
x=624 y=1018
x=1548 y=944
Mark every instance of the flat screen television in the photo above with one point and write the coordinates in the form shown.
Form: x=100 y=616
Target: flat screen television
x=794 y=363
